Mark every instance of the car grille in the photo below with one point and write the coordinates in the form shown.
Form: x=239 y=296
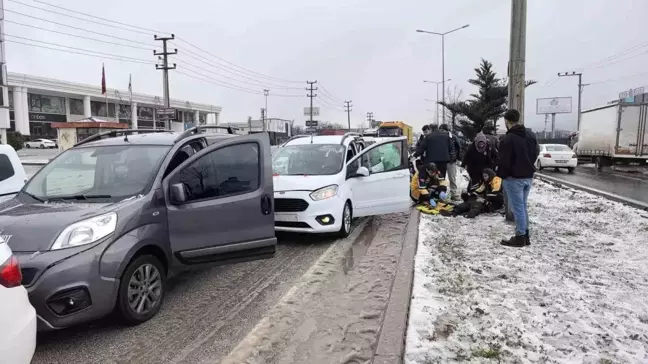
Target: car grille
x=292 y=224
x=28 y=275
x=290 y=205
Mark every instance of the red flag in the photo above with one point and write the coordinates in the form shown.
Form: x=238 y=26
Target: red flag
x=103 y=80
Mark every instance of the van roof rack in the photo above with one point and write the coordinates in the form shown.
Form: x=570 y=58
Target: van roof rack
x=199 y=129
x=118 y=132
x=295 y=137
x=349 y=134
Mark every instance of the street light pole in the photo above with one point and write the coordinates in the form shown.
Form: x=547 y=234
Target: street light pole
x=442 y=58
x=266 y=92
x=437 y=97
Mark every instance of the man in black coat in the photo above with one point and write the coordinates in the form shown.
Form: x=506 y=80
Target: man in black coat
x=436 y=146
x=518 y=152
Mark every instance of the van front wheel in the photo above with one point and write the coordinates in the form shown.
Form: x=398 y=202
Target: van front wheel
x=141 y=290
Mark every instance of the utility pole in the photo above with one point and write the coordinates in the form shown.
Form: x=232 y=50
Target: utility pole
x=266 y=92
x=311 y=88
x=4 y=86
x=347 y=108
x=580 y=92
x=516 y=71
x=370 y=119
x=165 y=69
x=263 y=118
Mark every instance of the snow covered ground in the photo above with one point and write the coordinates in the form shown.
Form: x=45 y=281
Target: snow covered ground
x=578 y=294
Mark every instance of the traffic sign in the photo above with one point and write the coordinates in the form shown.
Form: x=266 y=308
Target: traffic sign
x=310 y=130
x=311 y=123
x=166 y=114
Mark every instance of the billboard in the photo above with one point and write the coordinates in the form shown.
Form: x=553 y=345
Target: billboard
x=308 y=109
x=554 y=105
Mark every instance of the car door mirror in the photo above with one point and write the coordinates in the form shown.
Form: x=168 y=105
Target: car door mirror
x=361 y=172
x=178 y=194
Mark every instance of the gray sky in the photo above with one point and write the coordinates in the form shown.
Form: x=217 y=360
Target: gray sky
x=361 y=50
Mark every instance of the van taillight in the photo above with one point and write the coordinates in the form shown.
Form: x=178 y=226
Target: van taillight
x=547 y=155
x=10 y=275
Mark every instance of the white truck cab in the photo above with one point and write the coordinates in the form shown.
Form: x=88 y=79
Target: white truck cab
x=12 y=173
x=322 y=182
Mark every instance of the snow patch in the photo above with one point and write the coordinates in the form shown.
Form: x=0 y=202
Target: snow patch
x=576 y=295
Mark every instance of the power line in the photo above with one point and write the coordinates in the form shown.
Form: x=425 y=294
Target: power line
x=217 y=82
x=615 y=55
x=78 y=36
x=152 y=31
x=79 y=49
x=327 y=93
x=80 y=53
x=77 y=28
x=79 y=18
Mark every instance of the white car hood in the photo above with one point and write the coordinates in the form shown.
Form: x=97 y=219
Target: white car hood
x=302 y=183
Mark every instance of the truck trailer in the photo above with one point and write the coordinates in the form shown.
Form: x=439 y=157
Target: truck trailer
x=613 y=134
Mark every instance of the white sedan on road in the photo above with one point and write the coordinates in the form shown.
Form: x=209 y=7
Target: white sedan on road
x=41 y=143
x=17 y=316
x=556 y=156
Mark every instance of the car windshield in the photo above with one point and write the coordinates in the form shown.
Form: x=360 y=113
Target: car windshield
x=558 y=148
x=389 y=132
x=97 y=174
x=308 y=159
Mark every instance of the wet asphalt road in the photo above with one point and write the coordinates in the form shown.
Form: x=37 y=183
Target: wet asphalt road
x=207 y=310
x=630 y=185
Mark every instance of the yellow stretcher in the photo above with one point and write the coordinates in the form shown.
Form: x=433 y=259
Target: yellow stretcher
x=440 y=208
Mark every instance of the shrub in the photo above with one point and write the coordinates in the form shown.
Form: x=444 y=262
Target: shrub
x=16 y=140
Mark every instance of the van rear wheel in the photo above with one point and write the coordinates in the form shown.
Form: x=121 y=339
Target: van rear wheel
x=141 y=290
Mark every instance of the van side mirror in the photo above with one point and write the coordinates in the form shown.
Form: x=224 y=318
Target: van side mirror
x=362 y=172
x=178 y=194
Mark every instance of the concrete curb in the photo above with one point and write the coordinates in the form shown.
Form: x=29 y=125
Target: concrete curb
x=391 y=341
x=594 y=191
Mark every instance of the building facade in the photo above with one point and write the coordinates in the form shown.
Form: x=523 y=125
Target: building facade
x=36 y=102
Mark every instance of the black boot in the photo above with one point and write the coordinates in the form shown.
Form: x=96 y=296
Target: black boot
x=527 y=240
x=517 y=241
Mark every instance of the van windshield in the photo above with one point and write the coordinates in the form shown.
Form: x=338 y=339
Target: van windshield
x=97 y=174
x=308 y=159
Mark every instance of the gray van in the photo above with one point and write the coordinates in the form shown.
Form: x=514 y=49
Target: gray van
x=101 y=227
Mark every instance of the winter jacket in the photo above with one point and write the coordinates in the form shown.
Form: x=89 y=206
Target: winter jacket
x=476 y=162
x=455 y=148
x=421 y=188
x=436 y=147
x=518 y=152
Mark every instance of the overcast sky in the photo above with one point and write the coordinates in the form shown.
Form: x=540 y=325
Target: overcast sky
x=361 y=50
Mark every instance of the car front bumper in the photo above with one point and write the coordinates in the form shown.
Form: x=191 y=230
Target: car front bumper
x=311 y=219
x=69 y=277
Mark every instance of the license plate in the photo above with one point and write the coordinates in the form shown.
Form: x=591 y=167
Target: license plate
x=286 y=218
x=561 y=161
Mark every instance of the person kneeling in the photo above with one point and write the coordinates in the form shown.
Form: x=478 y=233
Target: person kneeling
x=482 y=198
x=428 y=190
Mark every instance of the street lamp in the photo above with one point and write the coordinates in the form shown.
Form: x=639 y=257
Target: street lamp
x=437 y=97
x=443 y=55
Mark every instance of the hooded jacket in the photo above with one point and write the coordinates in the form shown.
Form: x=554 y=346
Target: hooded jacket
x=518 y=152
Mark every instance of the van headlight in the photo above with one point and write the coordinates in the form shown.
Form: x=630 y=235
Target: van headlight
x=86 y=231
x=324 y=193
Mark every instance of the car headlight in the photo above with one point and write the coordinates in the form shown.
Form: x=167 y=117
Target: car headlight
x=324 y=193
x=86 y=231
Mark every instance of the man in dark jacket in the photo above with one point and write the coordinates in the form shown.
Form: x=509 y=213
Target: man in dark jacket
x=518 y=152
x=455 y=152
x=436 y=148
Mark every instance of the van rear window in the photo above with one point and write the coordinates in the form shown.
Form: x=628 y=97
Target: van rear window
x=6 y=168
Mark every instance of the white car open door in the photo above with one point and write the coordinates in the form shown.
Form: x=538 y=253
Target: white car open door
x=379 y=178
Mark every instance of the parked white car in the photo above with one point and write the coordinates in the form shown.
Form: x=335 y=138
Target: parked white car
x=12 y=173
x=556 y=156
x=17 y=316
x=322 y=182
x=41 y=143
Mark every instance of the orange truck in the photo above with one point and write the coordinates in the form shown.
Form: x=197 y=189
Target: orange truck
x=396 y=129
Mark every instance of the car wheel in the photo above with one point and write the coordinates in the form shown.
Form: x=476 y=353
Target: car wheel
x=570 y=169
x=27 y=145
x=141 y=290
x=347 y=218
x=42 y=146
x=538 y=166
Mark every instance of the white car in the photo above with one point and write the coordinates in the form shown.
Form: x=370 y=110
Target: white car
x=12 y=173
x=322 y=182
x=17 y=316
x=41 y=143
x=556 y=156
